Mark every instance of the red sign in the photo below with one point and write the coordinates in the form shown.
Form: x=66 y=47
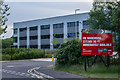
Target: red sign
x=97 y=44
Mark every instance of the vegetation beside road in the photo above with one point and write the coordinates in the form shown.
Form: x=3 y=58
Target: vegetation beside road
x=70 y=59
x=97 y=71
x=20 y=54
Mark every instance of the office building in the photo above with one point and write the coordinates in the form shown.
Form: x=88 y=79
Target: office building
x=39 y=33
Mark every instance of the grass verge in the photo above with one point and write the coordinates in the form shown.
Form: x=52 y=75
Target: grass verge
x=97 y=71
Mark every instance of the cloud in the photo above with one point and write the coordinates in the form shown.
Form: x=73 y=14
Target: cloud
x=23 y=11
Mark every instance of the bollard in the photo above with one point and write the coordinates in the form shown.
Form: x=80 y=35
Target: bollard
x=52 y=57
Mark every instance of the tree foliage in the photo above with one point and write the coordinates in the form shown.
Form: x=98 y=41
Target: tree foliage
x=3 y=16
x=54 y=41
x=106 y=16
x=7 y=42
x=69 y=53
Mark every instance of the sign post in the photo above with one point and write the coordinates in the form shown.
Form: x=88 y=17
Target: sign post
x=85 y=63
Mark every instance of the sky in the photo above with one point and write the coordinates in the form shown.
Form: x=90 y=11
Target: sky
x=24 y=10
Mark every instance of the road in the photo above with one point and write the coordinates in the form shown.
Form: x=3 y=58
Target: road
x=33 y=69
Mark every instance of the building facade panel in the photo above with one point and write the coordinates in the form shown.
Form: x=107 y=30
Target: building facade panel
x=33 y=33
x=58 y=31
x=45 y=41
x=23 y=42
x=45 y=32
x=23 y=34
x=33 y=42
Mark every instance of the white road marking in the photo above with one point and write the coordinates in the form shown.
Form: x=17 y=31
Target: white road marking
x=38 y=74
x=22 y=74
x=44 y=75
x=10 y=66
x=4 y=70
x=13 y=72
x=27 y=75
x=30 y=71
x=8 y=72
x=18 y=73
x=33 y=76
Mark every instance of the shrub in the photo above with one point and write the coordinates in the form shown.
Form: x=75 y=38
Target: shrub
x=23 y=53
x=69 y=53
x=6 y=57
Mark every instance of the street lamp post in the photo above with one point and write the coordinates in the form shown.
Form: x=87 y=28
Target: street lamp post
x=76 y=22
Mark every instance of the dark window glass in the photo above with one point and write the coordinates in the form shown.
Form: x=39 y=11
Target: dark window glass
x=57 y=46
x=33 y=28
x=60 y=25
x=58 y=35
x=33 y=37
x=72 y=24
x=33 y=46
x=85 y=23
x=15 y=31
x=71 y=35
x=15 y=46
x=77 y=23
x=23 y=46
x=45 y=46
x=45 y=36
x=15 y=39
x=45 y=27
x=23 y=38
x=23 y=29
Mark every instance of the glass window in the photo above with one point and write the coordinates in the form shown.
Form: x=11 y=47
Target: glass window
x=77 y=23
x=85 y=25
x=45 y=36
x=33 y=28
x=33 y=37
x=15 y=39
x=23 y=29
x=33 y=46
x=23 y=46
x=72 y=24
x=71 y=35
x=45 y=46
x=58 y=35
x=15 y=31
x=23 y=38
x=60 y=25
x=45 y=27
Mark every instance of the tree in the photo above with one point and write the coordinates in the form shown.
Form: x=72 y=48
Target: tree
x=116 y=24
x=3 y=16
x=69 y=53
x=106 y=16
x=54 y=41
x=7 y=42
x=66 y=39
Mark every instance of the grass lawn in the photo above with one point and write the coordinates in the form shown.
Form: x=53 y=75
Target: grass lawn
x=97 y=71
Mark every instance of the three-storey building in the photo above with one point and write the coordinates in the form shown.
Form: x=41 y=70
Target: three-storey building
x=39 y=33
